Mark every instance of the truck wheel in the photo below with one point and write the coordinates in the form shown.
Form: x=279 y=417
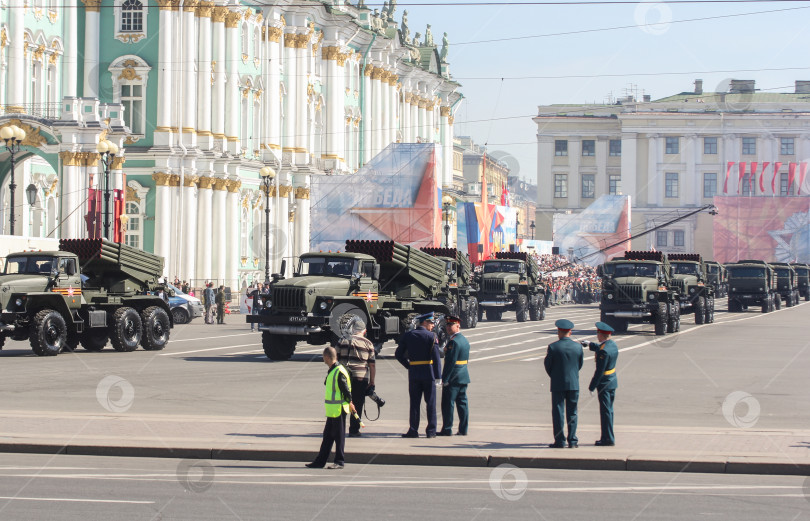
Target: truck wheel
x=48 y=333
x=777 y=302
x=94 y=339
x=661 y=319
x=767 y=305
x=807 y=295
x=674 y=322
x=480 y=313
x=469 y=317
x=72 y=342
x=522 y=308
x=180 y=316
x=377 y=348
x=700 y=311
x=156 y=328
x=126 y=330
x=493 y=315
x=620 y=325
x=710 y=310
x=278 y=347
x=2 y=342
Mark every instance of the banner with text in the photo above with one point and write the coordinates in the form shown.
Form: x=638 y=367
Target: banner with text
x=605 y=222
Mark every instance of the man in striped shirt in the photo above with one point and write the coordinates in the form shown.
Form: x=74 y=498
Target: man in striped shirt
x=356 y=352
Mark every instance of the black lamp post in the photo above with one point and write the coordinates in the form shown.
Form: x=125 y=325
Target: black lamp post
x=446 y=202
x=267 y=174
x=108 y=151
x=517 y=227
x=532 y=228
x=13 y=136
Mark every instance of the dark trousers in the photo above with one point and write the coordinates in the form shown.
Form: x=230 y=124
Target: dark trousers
x=220 y=314
x=606 y=397
x=417 y=389
x=359 y=386
x=455 y=395
x=564 y=403
x=334 y=432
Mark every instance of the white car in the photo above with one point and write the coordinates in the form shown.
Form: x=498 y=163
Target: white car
x=192 y=309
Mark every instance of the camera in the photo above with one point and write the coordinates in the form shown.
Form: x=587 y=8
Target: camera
x=372 y=394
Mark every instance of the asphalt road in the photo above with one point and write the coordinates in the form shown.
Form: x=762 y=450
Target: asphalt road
x=679 y=379
x=102 y=488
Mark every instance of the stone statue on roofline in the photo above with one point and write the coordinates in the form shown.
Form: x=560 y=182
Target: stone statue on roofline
x=361 y=4
x=445 y=48
x=406 y=32
x=429 y=37
x=392 y=7
x=417 y=39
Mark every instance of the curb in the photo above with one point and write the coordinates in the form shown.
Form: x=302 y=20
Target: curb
x=709 y=465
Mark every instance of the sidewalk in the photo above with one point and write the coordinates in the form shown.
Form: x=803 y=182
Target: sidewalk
x=640 y=448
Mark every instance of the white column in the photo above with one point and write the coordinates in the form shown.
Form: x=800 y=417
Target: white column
x=165 y=74
x=654 y=195
x=70 y=60
x=376 y=111
x=204 y=226
x=273 y=94
x=190 y=224
x=601 y=156
x=301 y=116
x=16 y=59
x=204 y=87
x=92 y=39
x=338 y=112
x=334 y=105
x=69 y=192
x=302 y=220
x=163 y=218
x=416 y=129
x=292 y=79
x=385 y=113
x=233 y=231
x=367 y=121
x=423 y=122
x=233 y=112
x=629 y=173
x=219 y=216
x=574 y=179
x=190 y=63
x=407 y=133
x=545 y=178
x=690 y=184
x=447 y=147
x=393 y=108
x=218 y=103
x=282 y=225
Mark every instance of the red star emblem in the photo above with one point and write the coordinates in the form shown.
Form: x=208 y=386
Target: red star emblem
x=70 y=291
x=368 y=297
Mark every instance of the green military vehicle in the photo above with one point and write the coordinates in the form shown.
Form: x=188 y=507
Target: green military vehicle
x=384 y=283
x=638 y=289
x=689 y=278
x=89 y=292
x=803 y=274
x=717 y=278
x=458 y=291
x=752 y=283
x=511 y=282
x=787 y=283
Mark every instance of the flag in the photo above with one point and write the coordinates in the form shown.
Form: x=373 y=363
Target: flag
x=504 y=195
x=776 y=166
x=753 y=176
x=742 y=175
x=762 y=177
x=802 y=173
x=791 y=175
x=728 y=172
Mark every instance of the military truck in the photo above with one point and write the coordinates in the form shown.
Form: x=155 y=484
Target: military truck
x=511 y=282
x=458 y=291
x=689 y=278
x=638 y=289
x=752 y=283
x=803 y=274
x=717 y=278
x=787 y=283
x=89 y=292
x=384 y=283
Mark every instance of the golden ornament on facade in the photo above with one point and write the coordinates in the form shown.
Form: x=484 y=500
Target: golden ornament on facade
x=233 y=185
x=161 y=178
x=204 y=183
x=129 y=74
x=52 y=189
x=218 y=13
x=302 y=193
x=164 y=5
x=220 y=184
x=271 y=190
x=232 y=19
x=52 y=58
x=131 y=195
x=190 y=6
x=282 y=20
x=259 y=18
x=131 y=140
x=175 y=5
x=341 y=59
x=39 y=52
x=32 y=136
x=451 y=120
x=118 y=163
x=329 y=53
x=204 y=9
x=257 y=96
x=245 y=92
x=92 y=5
x=274 y=34
x=284 y=190
x=376 y=73
x=3 y=37
x=52 y=16
x=444 y=111
x=368 y=70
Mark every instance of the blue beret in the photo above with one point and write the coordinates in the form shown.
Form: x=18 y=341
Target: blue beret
x=601 y=326
x=426 y=316
x=564 y=324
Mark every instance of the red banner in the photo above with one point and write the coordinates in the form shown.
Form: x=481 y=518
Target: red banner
x=762 y=177
x=753 y=176
x=802 y=174
x=742 y=175
x=728 y=172
x=791 y=175
x=776 y=166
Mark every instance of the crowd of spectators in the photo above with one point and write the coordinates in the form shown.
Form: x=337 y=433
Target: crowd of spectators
x=579 y=284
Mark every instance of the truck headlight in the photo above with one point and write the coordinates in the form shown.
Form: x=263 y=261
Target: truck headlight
x=19 y=302
x=691 y=290
x=651 y=296
x=610 y=296
x=324 y=305
x=268 y=303
x=512 y=288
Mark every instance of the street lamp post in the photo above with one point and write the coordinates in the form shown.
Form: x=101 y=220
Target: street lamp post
x=267 y=174
x=13 y=136
x=446 y=202
x=517 y=227
x=108 y=151
x=532 y=228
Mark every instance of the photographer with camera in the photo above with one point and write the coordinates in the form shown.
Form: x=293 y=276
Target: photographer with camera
x=356 y=352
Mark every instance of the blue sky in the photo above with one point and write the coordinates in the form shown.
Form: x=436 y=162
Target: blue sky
x=762 y=41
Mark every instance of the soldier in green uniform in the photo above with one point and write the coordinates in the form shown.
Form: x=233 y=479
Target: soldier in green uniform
x=563 y=361
x=220 y=300
x=455 y=379
x=604 y=380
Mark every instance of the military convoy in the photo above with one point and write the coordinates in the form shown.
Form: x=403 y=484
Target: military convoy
x=803 y=276
x=89 y=292
x=511 y=282
x=458 y=289
x=717 y=278
x=787 y=283
x=689 y=279
x=638 y=289
x=383 y=283
x=752 y=283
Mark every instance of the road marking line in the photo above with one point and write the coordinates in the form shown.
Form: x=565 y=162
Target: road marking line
x=205 y=350
x=76 y=500
x=210 y=337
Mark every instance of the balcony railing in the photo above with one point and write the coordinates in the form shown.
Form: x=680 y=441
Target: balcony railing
x=37 y=110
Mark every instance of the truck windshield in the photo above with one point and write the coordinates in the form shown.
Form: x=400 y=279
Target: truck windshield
x=685 y=268
x=635 y=270
x=802 y=272
x=782 y=273
x=326 y=266
x=32 y=264
x=747 y=273
x=713 y=269
x=501 y=267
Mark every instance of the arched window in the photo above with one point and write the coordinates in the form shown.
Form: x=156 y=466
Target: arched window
x=243 y=234
x=130 y=75
x=257 y=126
x=257 y=43
x=132 y=16
x=245 y=125
x=245 y=40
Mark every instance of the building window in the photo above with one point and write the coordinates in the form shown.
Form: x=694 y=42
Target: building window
x=133 y=234
x=786 y=146
x=560 y=186
x=660 y=238
x=709 y=185
x=245 y=39
x=678 y=238
x=746 y=185
x=749 y=146
x=588 y=186
x=615 y=147
x=132 y=16
x=588 y=147
x=672 y=185
x=784 y=188
x=560 y=147
x=710 y=145
x=133 y=102
x=615 y=185
x=672 y=145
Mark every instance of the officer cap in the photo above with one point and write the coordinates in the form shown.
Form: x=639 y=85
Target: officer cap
x=452 y=320
x=601 y=326
x=564 y=324
x=426 y=317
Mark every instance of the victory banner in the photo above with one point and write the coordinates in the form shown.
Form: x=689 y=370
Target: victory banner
x=606 y=221
x=773 y=229
x=497 y=233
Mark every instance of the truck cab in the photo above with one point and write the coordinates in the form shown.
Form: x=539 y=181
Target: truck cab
x=689 y=278
x=752 y=283
x=787 y=283
x=717 y=278
x=510 y=282
x=803 y=276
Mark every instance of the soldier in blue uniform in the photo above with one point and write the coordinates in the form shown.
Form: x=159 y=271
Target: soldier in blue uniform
x=563 y=361
x=604 y=380
x=455 y=379
x=418 y=352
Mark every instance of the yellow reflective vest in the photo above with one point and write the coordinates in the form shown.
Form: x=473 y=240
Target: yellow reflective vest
x=333 y=398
